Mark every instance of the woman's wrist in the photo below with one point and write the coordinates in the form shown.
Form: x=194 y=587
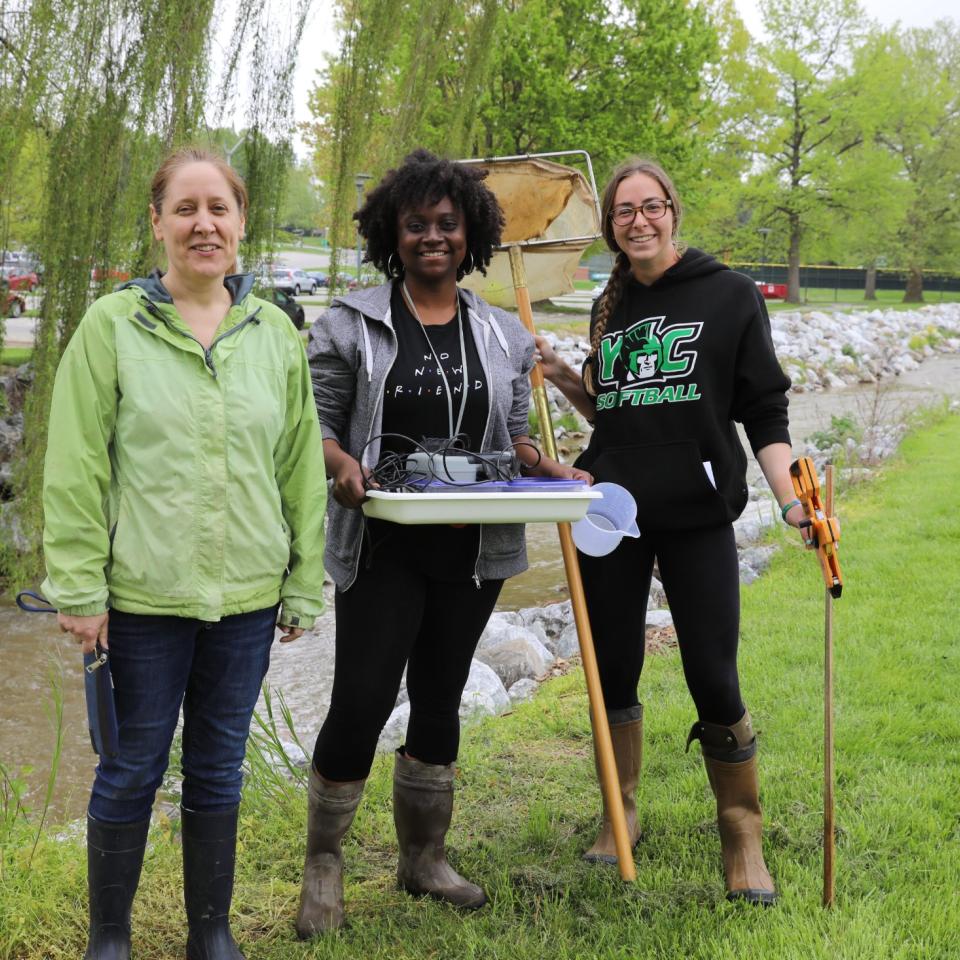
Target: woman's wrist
x=787 y=507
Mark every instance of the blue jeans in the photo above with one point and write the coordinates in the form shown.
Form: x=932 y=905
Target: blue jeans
x=215 y=671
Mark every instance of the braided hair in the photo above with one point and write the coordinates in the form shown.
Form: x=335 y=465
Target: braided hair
x=426 y=178
x=613 y=291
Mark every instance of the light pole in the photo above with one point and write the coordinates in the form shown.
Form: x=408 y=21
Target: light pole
x=232 y=150
x=764 y=232
x=359 y=179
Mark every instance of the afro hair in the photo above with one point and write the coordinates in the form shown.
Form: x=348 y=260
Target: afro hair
x=426 y=178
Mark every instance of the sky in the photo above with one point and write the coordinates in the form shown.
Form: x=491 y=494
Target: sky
x=319 y=37
x=917 y=13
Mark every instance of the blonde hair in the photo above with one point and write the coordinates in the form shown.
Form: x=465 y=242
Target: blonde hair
x=187 y=155
x=182 y=158
x=620 y=273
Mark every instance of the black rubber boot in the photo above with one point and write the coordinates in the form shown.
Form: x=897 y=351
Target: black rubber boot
x=114 y=858
x=209 y=856
x=422 y=810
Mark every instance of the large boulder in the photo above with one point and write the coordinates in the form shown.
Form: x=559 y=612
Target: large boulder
x=518 y=656
x=483 y=696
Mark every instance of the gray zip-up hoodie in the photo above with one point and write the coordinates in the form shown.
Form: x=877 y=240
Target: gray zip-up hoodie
x=351 y=348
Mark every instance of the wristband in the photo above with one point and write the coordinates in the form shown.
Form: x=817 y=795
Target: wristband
x=787 y=507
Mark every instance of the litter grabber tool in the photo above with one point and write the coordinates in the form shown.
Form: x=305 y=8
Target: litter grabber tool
x=552 y=213
x=821 y=531
x=824 y=534
x=97 y=684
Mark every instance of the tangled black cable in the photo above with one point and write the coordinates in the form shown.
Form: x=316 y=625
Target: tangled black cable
x=392 y=474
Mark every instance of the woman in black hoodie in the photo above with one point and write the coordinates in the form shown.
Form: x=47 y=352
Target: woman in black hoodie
x=680 y=350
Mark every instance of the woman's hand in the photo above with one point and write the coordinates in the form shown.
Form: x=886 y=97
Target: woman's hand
x=86 y=630
x=564 y=378
x=289 y=633
x=562 y=471
x=550 y=362
x=795 y=516
x=349 y=486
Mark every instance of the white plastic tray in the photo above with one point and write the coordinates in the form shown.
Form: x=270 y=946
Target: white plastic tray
x=564 y=506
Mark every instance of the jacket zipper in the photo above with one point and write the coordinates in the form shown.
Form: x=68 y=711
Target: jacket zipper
x=486 y=428
x=155 y=311
x=373 y=416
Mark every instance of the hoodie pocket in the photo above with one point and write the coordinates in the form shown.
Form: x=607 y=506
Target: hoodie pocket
x=668 y=482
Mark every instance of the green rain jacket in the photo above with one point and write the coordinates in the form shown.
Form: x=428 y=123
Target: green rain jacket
x=180 y=481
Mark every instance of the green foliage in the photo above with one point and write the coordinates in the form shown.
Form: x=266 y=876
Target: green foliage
x=565 y=421
x=810 y=124
x=585 y=74
x=841 y=429
x=301 y=203
x=919 y=129
x=92 y=95
x=521 y=77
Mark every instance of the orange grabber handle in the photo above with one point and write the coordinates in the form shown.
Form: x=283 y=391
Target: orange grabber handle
x=822 y=533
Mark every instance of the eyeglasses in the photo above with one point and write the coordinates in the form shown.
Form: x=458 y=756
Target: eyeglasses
x=626 y=213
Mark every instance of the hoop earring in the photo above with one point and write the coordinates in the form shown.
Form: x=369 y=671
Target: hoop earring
x=464 y=268
x=394 y=269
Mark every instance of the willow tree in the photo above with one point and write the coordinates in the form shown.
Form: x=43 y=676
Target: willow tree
x=114 y=85
x=409 y=73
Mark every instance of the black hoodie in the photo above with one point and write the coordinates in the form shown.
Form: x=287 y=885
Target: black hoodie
x=680 y=361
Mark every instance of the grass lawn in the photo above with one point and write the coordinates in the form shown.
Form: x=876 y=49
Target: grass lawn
x=14 y=356
x=527 y=800
x=814 y=297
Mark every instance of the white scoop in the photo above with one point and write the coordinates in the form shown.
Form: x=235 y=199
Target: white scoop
x=607 y=521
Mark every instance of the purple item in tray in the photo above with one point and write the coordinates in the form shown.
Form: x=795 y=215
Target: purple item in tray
x=520 y=485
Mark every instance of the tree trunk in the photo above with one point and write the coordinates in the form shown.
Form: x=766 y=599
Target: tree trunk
x=793 y=261
x=870 y=286
x=914 y=291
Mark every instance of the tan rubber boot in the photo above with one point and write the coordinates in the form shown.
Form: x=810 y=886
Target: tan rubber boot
x=729 y=754
x=331 y=807
x=422 y=810
x=626 y=732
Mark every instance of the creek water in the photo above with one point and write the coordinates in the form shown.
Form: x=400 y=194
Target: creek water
x=37 y=658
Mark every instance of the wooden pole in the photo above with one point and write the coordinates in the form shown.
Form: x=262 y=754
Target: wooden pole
x=609 y=781
x=828 y=830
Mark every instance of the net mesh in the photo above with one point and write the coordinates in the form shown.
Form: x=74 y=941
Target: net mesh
x=542 y=201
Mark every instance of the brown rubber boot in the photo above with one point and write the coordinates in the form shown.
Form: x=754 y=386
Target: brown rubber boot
x=422 y=810
x=331 y=807
x=626 y=732
x=729 y=754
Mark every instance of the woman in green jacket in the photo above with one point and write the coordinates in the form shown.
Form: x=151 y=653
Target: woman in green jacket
x=184 y=494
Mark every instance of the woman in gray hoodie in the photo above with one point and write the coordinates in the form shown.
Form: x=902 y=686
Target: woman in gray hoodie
x=415 y=358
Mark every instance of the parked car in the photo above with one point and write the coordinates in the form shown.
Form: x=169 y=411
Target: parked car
x=345 y=281
x=113 y=273
x=286 y=303
x=19 y=277
x=22 y=261
x=295 y=281
x=14 y=304
x=318 y=276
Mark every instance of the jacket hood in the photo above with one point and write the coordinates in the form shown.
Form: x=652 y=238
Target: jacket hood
x=693 y=263
x=374 y=302
x=238 y=284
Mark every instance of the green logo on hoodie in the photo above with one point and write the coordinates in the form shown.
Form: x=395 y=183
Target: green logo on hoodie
x=650 y=351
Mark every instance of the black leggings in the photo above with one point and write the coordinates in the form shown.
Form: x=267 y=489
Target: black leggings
x=701 y=577
x=397 y=615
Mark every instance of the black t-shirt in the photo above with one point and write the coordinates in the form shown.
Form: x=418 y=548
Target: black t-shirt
x=414 y=398
x=415 y=405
